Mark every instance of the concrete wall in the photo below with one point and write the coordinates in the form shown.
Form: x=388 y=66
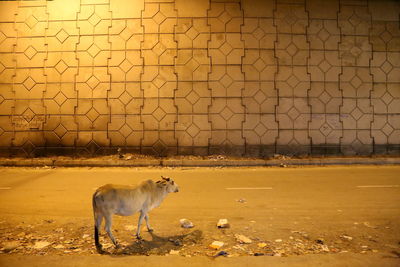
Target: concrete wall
x=200 y=77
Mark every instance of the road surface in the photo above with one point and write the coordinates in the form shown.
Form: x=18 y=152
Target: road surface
x=288 y=213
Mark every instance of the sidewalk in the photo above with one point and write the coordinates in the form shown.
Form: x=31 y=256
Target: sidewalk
x=219 y=161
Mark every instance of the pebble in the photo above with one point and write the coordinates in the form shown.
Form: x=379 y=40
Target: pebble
x=278 y=240
x=243 y=239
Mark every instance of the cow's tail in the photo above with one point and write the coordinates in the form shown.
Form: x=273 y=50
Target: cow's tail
x=97 y=223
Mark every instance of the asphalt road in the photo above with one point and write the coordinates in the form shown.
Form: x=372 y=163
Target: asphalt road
x=283 y=207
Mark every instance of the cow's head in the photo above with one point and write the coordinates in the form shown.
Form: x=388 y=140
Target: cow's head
x=169 y=184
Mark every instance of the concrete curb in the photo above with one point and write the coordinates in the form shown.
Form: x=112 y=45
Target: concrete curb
x=195 y=162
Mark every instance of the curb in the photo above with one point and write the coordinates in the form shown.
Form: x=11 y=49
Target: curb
x=196 y=163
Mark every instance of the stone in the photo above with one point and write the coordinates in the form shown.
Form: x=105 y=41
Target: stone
x=174 y=252
x=9 y=246
x=261 y=245
x=185 y=223
x=223 y=223
x=325 y=248
x=216 y=244
x=243 y=239
x=41 y=244
x=278 y=240
x=346 y=237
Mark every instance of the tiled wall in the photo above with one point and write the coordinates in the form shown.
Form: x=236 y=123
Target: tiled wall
x=250 y=77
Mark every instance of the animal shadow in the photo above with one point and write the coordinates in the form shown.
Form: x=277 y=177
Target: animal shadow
x=158 y=245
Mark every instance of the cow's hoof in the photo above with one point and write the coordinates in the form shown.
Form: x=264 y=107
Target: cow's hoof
x=138 y=237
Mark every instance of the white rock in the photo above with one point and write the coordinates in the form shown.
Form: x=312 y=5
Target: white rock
x=185 y=223
x=325 y=248
x=174 y=252
x=41 y=244
x=278 y=240
x=216 y=244
x=223 y=223
x=85 y=236
x=243 y=239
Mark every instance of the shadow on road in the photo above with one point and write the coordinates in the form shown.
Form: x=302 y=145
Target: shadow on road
x=158 y=245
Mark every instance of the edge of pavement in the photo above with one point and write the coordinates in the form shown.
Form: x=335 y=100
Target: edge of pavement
x=171 y=162
x=341 y=259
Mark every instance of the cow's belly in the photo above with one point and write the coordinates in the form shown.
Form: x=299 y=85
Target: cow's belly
x=126 y=210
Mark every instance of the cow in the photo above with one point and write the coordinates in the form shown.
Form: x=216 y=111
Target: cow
x=125 y=200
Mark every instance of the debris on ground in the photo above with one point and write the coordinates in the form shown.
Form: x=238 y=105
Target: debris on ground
x=325 y=248
x=367 y=224
x=278 y=240
x=217 y=157
x=319 y=241
x=176 y=242
x=174 y=252
x=9 y=246
x=222 y=253
x=216 y=244
x=282 y=157
x=223 y=223
x=346 y=237
x=242 y=200
x=243 y=239
x=261 y=245
x=185 y=223
x=258 y=254
x=41 y=244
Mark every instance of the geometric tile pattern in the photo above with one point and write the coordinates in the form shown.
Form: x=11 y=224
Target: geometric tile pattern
x=200 y=77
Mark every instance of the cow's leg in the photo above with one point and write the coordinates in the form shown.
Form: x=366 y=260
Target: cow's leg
x=97 y=225
x=147 y=223
x=108 y=229
x=142 y=214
